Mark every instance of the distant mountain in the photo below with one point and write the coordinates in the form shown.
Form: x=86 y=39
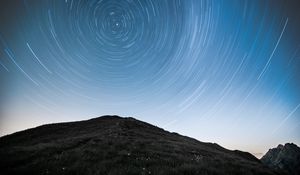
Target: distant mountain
x=284 y=158
x=114 y=145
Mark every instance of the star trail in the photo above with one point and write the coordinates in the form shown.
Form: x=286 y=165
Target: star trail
x=219 y=71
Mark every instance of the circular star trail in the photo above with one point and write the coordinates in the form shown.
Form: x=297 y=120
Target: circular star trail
x=222 y=71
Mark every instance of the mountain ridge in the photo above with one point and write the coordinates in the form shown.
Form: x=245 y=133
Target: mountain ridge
x=116 y=145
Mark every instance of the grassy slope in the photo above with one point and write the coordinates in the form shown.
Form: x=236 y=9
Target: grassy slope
x=114 y=145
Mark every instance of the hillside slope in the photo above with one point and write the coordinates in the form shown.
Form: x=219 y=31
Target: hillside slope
x=115 y=145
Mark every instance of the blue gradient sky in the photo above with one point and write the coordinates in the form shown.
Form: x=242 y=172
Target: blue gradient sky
x=219 y=71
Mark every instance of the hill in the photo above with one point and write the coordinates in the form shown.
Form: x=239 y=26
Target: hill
x=115 y=145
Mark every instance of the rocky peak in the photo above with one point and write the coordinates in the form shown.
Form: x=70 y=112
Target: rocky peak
x=285 y=158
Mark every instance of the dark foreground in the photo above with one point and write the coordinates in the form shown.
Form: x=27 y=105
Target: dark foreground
x=115 y=145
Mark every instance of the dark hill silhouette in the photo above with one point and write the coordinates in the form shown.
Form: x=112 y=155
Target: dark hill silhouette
x=115 y=145
x=284 y=158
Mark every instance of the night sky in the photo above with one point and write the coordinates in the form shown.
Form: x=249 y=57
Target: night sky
x=219 y=71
